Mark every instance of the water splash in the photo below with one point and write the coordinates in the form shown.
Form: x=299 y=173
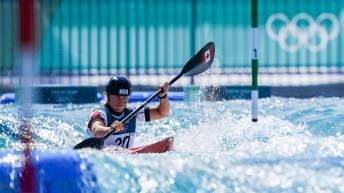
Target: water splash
x=218 y=148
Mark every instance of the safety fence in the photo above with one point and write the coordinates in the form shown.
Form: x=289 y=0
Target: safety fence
x=82 y=41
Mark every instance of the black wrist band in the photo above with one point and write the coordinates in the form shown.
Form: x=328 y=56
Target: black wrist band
x=165 y=95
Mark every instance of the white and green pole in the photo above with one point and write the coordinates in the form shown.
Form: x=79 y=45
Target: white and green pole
x=254 y=89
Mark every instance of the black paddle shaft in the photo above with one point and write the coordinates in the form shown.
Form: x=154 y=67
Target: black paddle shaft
x=196 y=65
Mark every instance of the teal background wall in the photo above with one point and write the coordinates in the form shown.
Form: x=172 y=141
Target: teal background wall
x=101 y=37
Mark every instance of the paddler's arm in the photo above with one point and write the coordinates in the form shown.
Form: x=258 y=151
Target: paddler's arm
x=99 y=130
x=163 y=108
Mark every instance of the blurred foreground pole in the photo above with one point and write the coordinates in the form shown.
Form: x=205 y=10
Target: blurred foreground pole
x=254 y=90
x=26 y=22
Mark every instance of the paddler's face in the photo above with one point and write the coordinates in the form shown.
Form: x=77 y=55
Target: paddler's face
x=117 y=102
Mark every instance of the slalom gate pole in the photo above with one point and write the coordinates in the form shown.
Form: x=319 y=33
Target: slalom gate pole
x=254 y=89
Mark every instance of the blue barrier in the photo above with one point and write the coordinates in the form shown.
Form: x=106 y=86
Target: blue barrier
x=53 y=172
x=218 y=93
x=58 y=94
x=135 y=97
x=7 y=98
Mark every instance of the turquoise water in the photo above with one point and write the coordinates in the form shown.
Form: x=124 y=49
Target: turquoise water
x=296 y=146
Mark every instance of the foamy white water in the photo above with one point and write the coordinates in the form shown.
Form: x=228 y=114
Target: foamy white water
x=297 y=145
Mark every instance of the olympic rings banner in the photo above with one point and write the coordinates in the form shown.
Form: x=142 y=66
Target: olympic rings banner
x=302 y=34
x=302 y=31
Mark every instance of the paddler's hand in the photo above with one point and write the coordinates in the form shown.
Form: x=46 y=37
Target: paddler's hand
x=164 y=88
x=117 y=126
